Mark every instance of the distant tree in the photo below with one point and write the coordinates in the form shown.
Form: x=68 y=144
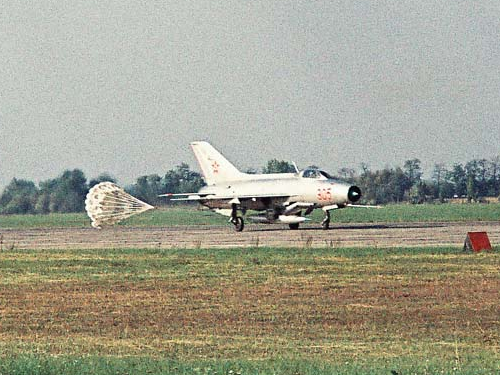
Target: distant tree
x=103 y=177
x=364 y=168
x=438 y=177
x=278 y=166
x=385 y=182
x=312 y=166
x=347 y=174
x=188 y=180
x=147 y=188
x=419 y=193
x=481 y=177
x=67 y=192
x=171 y=182
x=178 y=180
x=413 y=171
x=494 y=177
x=458 y=178
x=18 y=197
x=43 y=203
x=471 y=188
x=383 y=186
x=446 y=190
x=181 y=179
x=398 y=183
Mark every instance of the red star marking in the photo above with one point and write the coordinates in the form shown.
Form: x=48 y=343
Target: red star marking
x=215 y=167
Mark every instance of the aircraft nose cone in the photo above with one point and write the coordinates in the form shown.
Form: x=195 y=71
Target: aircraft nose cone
x=354 y=194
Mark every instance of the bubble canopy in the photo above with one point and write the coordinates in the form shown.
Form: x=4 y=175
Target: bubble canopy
x=316 y=173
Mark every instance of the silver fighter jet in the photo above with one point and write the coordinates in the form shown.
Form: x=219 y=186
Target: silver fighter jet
x=279 y=197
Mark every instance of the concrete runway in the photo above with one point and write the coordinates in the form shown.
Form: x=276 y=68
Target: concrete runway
x=309 y=235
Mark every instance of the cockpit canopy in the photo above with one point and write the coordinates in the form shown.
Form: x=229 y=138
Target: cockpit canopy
x=316 y=174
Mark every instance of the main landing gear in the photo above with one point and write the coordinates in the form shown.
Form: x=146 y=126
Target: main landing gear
x=238 y=223
x=236 y=220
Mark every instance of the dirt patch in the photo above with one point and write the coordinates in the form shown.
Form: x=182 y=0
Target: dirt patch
x=176 y=318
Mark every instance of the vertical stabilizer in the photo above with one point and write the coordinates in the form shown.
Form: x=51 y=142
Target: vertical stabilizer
x=215 y=167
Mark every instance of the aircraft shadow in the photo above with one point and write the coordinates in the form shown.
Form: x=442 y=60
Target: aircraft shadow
x=260 y=228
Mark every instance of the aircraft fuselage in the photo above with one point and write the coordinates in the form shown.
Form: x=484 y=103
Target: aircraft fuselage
x=320 y=192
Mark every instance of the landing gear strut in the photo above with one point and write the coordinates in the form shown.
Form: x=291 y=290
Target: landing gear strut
x=325 y=224
x=236 y=220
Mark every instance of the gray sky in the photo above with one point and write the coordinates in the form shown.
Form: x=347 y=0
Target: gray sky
x=124 y=86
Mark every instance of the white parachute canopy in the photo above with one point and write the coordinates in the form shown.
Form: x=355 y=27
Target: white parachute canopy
x=108 y=204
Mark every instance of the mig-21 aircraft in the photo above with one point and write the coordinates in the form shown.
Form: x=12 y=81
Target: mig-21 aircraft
x=279 y=197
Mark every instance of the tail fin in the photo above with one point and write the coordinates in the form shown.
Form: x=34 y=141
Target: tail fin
x=215 y=167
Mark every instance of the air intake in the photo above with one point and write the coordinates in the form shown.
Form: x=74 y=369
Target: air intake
x=354 y=194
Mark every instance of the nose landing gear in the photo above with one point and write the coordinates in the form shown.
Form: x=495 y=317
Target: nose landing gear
x=325 y=224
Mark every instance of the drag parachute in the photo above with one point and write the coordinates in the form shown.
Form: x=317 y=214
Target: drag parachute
x=108 y=204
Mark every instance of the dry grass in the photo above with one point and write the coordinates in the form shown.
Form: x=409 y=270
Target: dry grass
x=334 y=305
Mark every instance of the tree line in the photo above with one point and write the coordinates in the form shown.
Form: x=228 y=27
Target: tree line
x=472 y=181
x=67 y=192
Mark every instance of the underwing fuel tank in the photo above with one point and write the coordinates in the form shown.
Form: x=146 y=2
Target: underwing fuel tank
x=292 y=219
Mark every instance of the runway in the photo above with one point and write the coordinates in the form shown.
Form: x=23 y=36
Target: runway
x=188 y=237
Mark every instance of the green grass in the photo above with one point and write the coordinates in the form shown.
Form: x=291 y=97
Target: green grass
x=180 y=216
x=30 y=365
x=254 y=263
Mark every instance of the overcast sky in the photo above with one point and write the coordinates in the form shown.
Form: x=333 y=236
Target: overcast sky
x=123 y=86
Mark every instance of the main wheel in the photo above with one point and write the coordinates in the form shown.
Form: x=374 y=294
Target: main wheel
x=239 y=224
x=294 y=226
x=325 y=225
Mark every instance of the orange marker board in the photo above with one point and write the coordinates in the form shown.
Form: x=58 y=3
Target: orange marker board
x=477 y=241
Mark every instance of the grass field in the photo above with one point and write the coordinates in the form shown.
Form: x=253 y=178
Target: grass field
x=192 y=216
x=250 y=311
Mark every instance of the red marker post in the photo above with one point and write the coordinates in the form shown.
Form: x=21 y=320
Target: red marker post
x=477 y=241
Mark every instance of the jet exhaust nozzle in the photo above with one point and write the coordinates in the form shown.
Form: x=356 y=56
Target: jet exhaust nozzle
x=354 y=194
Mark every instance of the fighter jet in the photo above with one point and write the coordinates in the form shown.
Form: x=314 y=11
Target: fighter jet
x=279 y=197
